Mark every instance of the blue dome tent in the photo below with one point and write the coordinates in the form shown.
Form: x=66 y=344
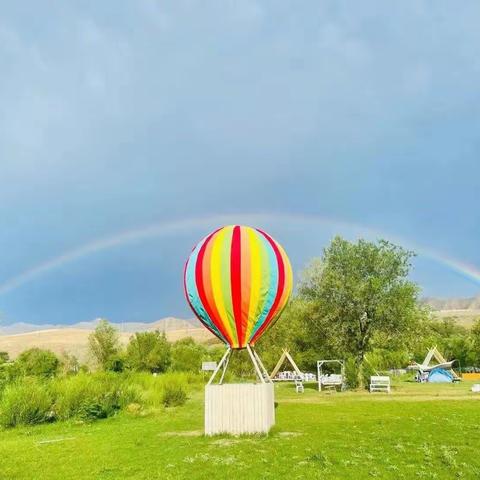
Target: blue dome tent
x=440 y=375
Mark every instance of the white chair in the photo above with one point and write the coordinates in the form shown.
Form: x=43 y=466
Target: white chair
x=299 y=386
x=380 y=383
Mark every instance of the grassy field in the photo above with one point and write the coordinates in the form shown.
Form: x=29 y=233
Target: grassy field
x=419 y=431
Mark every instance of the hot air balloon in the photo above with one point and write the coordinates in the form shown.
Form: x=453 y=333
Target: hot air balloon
x=237 y=281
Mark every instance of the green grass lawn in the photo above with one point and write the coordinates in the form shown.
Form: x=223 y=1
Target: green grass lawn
x=419 y=431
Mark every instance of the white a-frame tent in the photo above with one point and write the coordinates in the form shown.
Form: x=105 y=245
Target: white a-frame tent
x=285 y=356
x=434 y=354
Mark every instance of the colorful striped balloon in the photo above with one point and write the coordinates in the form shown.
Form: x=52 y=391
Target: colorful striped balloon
x=237 y=282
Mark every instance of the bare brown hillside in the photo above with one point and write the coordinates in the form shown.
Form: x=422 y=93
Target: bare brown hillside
x=451 y=304
x=463 y=310
x=75 y=340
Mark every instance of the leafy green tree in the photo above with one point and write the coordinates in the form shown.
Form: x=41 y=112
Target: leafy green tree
x=70 y=364
x=453 y=340
x=187 y=355
x=104 y=344
x=359 y=292
x=149 y=351
x=37 y=362
x=475 y=337
x=293 y=331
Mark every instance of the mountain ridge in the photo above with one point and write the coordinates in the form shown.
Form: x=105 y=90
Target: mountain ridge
x=453 y=303
x=164 y=325
x=73 y=339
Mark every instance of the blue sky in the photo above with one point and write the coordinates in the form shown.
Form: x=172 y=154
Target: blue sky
x=307 y=119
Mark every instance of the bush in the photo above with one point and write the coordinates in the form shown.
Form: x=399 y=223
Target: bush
x=148 y=351
x=187 y=355
x=92 y=396
x=26 y=402
x=367 y=371
x=174 y=395
x=37 y=362
x=351 y=375
x=152 y=387
x=30 y=400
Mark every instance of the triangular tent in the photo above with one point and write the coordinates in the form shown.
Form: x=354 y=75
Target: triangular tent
x=285 y=356
x=434 y=353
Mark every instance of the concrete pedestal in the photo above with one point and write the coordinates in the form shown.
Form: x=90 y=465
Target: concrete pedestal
x=239 y=408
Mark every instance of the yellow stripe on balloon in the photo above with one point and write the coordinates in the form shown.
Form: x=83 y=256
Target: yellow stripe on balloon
x=288 y=279
x=225 y=254
x=255 y=279
x=218 y=282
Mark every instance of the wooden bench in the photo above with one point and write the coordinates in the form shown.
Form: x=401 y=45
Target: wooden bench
x=380 y=383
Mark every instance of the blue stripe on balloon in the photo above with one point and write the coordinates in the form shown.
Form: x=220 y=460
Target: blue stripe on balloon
x=192 y=292
x=272 y=286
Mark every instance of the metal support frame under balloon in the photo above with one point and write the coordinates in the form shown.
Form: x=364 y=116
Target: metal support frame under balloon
x=260 y=369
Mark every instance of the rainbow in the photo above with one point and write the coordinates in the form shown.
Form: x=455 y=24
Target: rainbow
x=237 y=282
x=466 y=270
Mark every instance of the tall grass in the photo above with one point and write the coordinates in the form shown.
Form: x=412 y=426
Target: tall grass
x=91 y=396
x=27 y=401
x=153 y=388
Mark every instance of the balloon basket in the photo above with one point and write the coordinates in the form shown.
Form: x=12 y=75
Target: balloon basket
x=239 y=408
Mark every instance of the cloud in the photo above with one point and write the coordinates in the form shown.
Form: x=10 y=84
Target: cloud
x=116 y=114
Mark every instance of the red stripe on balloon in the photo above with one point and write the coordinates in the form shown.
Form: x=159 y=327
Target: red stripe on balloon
x=191 y=306
x=280 y=287
x=236 y=281
x=246 y=282
x=201 y=289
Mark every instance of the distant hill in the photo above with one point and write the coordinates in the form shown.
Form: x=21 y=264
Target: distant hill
x=464 y=310
x=164 y=325
x=73 y=339
x=439 y=304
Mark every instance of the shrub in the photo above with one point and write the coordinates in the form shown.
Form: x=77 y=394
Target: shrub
x=152 y=387
x=367 y=371
x=174 y=395
x=187 y=355
x=38 y=362
x=149 y=351
x=94 y=410
x=92 y=396
x=26 y=402
x=351 y=374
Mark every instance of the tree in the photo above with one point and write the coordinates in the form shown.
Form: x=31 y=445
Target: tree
x=360 y=292
x=37 y=362
x=293 y=331
x=104 y=344
x=70 y=364
x=187 y=355
x=475 y=335
x=149 y=351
